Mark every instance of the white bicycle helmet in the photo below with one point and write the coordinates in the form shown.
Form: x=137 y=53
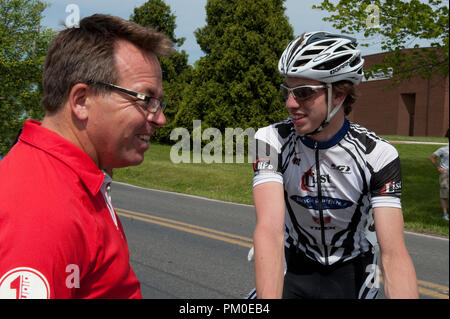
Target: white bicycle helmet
x=324 y=57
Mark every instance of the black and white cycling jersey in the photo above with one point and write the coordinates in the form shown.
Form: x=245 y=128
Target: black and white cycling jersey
x=329 y=187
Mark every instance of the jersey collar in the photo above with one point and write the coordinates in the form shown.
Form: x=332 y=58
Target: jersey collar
x=52 y=143
x=329 y=143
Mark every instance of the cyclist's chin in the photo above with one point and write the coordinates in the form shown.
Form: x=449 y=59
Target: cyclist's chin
x=303 y=129
x=307 y=125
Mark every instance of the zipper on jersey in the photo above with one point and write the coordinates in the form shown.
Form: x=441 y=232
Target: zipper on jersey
x=319 y=202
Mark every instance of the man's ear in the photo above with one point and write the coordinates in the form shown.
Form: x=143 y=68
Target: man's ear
x=79 y=102
x=338 y=98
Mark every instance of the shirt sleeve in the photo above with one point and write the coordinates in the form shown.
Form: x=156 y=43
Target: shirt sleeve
x=41 y=258
x=267 y=157
x=442 y=153
x=438 y=152
x=386 y=180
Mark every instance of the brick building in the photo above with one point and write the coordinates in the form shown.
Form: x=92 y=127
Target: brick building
x=415 y=107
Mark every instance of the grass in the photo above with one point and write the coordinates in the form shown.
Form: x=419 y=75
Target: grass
x=228 y=182
x=233 y=182
x=415 y=138
x=420 y=198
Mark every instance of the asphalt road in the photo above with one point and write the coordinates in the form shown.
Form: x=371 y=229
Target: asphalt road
x=188 y=247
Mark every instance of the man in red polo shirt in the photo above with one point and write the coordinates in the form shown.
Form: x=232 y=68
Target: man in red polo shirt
x=60 y=236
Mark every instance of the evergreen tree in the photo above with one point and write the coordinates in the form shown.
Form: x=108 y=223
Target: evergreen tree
x=236 y=84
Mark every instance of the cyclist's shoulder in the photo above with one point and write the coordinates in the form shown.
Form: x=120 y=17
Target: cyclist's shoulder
x=367 y=139
x=376 y=151
x=280 y=130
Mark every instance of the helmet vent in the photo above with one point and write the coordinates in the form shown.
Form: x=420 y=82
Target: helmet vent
x=355 y=61
x=340 y=49
x=312 y=52
x=327 y=43
x=333 y=63
x=300 y=62
x=344 y=48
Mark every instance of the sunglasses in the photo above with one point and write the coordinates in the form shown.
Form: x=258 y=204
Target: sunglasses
x=300 y=92
x=150 y=104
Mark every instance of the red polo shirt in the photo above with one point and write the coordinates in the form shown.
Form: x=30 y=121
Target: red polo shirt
x=58 y=239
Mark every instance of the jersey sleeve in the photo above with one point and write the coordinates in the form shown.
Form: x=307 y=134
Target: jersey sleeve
x=442 y=153
x=267 y=157
x=439 y=152
x=386 y=180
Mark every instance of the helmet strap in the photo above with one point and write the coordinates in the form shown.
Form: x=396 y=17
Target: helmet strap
x=330 y=112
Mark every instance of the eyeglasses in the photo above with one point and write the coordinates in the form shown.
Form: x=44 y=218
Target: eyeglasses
x=300 y=92
x=152 y=104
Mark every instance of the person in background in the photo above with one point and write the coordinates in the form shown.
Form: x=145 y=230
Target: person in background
x=102 y=91
x=442 y=167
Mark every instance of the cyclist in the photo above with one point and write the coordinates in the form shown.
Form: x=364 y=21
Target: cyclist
x=318 y=178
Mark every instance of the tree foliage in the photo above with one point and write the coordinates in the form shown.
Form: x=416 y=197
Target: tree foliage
x=399 y=23
x=23 y=45
x=176 y=70
x=236 y=84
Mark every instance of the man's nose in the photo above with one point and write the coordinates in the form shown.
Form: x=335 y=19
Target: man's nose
x=158 y=118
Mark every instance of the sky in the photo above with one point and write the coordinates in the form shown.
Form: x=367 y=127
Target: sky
x=191 y=15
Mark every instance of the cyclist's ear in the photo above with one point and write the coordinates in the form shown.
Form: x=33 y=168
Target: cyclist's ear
x=338 y=98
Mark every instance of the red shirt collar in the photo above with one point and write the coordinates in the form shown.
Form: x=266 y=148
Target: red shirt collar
x=52 y=143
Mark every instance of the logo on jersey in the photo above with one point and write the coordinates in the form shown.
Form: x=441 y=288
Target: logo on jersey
x=24 y=283
x=392 y=188
x=344 y=169
x=309 y=180
x=312 y=202
x=263 y=164
x=326 y=220
x=296 y=160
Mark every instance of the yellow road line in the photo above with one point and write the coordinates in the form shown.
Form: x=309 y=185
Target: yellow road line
x=425 y=287
x=432 y=285
x=437 y=291
x=432 y=293
x=210 y=230
x=443 y=294
x=172 y=225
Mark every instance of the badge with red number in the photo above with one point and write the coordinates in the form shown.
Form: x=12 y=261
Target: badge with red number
x=24 y=283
